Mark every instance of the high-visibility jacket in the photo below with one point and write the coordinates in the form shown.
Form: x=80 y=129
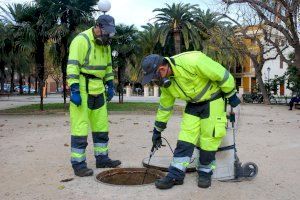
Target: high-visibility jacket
x=196 y=78
x=89 y=58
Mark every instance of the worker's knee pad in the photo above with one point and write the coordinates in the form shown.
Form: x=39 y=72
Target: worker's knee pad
x=95 y=101
x=206 y=157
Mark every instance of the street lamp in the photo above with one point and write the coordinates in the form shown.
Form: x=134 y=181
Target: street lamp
x=268 y=69
x=115 y=54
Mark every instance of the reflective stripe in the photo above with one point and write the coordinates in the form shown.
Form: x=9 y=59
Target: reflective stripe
x=104 y=153
x=229 y=94
x=165 y=108
x=100 y=144
x=78 y=159
x=182 y=159
x=78 y=151
x=108 y=75
x=75 y=76
x=87 y=56
x=95 y=67
x=178 y=166
x=73 y=62
x=181 y=162
x=225 y=78
x=202 y=93
x=205 y=170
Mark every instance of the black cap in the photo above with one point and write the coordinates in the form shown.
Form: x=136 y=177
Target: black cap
x=150 y=65
x=107 y=23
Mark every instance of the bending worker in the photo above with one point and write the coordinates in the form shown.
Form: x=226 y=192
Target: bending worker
x=89 y=68
x=203 y=84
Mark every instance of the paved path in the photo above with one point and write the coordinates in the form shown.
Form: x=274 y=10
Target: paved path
x=16 y=101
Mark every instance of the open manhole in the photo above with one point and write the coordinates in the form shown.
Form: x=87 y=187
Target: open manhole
x=129 y=176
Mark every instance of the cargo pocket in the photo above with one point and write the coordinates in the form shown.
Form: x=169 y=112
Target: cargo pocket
x=95 y=101
x=220 y=126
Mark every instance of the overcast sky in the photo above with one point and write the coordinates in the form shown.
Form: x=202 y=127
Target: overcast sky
x=137 y=12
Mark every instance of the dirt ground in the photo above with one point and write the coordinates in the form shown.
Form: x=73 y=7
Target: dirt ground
x=35 y=150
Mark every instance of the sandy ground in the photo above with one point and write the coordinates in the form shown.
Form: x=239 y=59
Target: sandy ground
x=35 y=150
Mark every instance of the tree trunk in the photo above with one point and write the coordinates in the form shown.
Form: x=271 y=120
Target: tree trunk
x=40 y=69
x=2 y=75
x=20 y=83
x=120 y=85
x=177 y=42
x=262 y=87
x=36 y=85
x=64 y=64
x=29 y=84
x=12 y=85
x=297 y=58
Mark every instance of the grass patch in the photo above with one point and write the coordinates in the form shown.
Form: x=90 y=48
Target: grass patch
x=53 y=108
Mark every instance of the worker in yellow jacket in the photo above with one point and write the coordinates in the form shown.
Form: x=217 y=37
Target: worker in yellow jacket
x=89 y=70
x=204 y=84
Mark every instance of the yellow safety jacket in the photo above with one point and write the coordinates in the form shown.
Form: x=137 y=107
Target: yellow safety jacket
x=196 y=78
x=86 y=57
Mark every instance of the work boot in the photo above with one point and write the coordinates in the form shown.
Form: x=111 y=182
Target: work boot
x=167 y=183
x=83 y=172
x=108 y=164
x=204 y=180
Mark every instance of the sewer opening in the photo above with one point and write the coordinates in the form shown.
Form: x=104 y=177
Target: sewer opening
x=129 y=176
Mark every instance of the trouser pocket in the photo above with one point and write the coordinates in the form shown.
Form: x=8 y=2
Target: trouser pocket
x=220 y=126
x=95 y=101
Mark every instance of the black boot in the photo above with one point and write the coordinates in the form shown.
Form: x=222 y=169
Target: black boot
x=108 y=164
x=167 y=183
x=204 y=180
x=83 y=172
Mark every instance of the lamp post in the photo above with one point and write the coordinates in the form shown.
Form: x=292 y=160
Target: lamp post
x=120 y=88
x=269 y=88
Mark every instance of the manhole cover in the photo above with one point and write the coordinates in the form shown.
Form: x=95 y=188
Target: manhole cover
x=129 y=176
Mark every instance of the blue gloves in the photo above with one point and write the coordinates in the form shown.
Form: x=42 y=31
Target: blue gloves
x=110 y=90
x=75 y=94
x=234 y=101
x=156 y=139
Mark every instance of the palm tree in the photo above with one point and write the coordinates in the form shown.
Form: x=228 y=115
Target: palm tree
x=218 y=38
x=176 y=23
x=68 y=15
x=124 y=43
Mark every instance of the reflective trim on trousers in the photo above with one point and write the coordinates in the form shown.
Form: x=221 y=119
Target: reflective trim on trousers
x=98 y=153
x=181 y=163
x=78 y=159
x=165 y=108
x=207 y=168
x=79 y=151
x=101 y=144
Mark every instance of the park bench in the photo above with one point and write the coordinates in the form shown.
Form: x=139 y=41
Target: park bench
x=5 y=94
x=297 y=105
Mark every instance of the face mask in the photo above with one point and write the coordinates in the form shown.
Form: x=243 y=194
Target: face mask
x=161 y=82
x=103 y=39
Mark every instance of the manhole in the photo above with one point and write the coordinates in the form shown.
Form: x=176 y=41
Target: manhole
x=129 y=176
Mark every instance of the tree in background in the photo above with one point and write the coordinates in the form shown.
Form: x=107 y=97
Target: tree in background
x=282 y=16
x=176 y=23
